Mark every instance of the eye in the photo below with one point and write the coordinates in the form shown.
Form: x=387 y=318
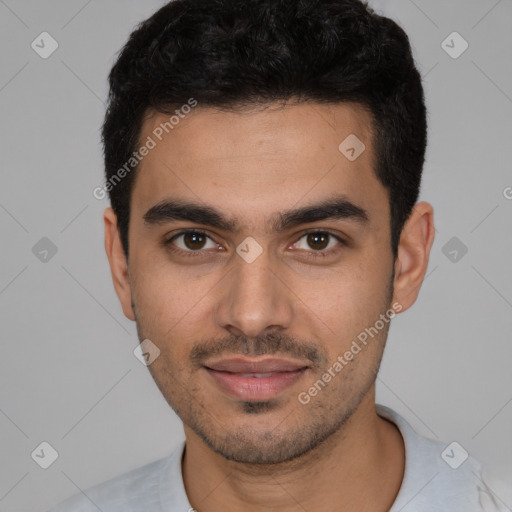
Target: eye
x=321 y=242
x=194 y=242
x=190 y=241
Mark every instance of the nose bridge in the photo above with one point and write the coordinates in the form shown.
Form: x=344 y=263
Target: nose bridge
x=254 y=299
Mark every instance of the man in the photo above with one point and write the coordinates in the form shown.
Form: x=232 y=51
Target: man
x=263 y=160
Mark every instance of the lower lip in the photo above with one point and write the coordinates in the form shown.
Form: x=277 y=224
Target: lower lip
x=255 y=388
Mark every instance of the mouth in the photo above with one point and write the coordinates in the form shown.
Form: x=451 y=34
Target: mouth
x=255 y=379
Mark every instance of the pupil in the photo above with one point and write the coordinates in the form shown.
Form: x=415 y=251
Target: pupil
x=318 y=238
x=194 y=240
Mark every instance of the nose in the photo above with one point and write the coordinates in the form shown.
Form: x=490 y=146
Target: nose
x=254 y=299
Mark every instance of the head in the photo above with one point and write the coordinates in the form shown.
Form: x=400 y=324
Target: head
x=287 y=138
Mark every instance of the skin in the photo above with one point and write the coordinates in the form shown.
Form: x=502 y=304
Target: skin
x=250 y=166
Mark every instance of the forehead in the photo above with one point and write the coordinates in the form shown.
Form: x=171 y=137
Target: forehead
x=259 y=161
x=208 y=133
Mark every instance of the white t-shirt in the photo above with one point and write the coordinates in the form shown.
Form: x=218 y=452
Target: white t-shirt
x=437 y=478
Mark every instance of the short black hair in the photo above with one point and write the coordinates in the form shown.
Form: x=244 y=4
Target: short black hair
x=232 y=54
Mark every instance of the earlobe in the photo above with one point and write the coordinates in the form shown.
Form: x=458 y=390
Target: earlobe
x=118 y=263
x=414 y=248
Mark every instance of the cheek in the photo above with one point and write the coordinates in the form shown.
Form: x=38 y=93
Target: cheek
x=349 y=301
x=349 y=295
x=170 y=296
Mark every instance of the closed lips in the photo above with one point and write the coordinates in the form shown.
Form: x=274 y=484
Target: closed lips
x=255 y=368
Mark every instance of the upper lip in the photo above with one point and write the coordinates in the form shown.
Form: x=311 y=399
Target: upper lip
x=245 y=365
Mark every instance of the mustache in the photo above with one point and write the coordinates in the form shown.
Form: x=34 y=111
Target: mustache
x=270 y=343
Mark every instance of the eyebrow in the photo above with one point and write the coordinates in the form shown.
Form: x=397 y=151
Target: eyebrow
x=170 y=210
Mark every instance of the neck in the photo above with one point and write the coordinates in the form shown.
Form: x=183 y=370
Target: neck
x=358 y=468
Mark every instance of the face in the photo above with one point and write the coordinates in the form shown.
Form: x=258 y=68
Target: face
x=259 y=252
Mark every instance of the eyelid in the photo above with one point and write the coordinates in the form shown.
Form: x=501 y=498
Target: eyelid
x=167 y=242
x=324 y=253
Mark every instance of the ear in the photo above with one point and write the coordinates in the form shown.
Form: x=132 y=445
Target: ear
x=118 y=263
x=411 y=264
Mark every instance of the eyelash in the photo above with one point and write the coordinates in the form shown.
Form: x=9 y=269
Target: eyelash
x=195 y=254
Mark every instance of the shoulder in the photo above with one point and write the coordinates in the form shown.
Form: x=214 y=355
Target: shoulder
x=439 y=476
x=131 y=491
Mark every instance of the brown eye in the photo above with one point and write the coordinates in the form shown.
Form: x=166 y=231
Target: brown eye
x=194 y=241
x=191 y=241
x=318 y=241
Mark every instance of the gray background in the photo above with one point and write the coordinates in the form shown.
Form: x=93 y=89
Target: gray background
x=68 y=373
